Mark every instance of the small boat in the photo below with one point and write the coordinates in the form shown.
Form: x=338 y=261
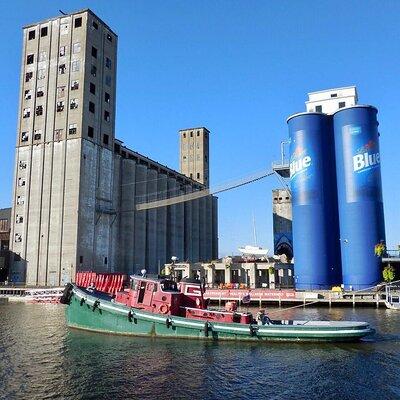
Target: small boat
x=159 y=307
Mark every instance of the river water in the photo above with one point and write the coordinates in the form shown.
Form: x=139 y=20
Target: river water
x=40 y=358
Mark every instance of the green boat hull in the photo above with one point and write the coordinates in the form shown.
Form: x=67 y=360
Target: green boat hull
x=88 y=312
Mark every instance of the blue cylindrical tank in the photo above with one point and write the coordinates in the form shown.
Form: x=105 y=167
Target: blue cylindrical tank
x=314 y=201
x=360 y=194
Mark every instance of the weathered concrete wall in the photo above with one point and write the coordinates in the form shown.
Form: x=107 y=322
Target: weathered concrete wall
x=127 y=216
x=162 y=222
x=140 y=219
x=215 y=228
x=171 y=221
x=195 y=231
x=180 y=225
x=151 y=226
x=188 y=227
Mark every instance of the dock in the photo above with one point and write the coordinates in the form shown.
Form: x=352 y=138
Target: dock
x=289 y=297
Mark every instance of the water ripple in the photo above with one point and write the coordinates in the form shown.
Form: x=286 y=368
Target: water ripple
x=41 y=359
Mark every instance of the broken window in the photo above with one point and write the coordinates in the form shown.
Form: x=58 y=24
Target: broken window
x=60 y=106
x=24 y=136
x=108 y=62
x=22 y=165
x=105 y=139
x=58 y=134
x=109 y=37
x=19 y=219
x=72 y=129
x=30 y=58
x=91 y=107
x=39 y=110
x=37 y=134
x=92 y=88
x=40 y=92
x=41 y=73
x=108 y=80
x=42 y=56
x=21 y=182
x=106 y=116
x=20 y=200
x=93 y=70
x=198 y=175
x=63 y=50
x=90 y=131
x=74 y=85
x=107 y=97
x=18 y=238
x=73 y=104
x=64 y=29
x=31 y=35
x=28 y=76
x=76 y=47
x=26 y=113
x=43 y=31
x=78 y=22
x=75 y=65
x=61 y=69
x=61 y=91
x=95 y=25
x=94 y=52
x=28 y=94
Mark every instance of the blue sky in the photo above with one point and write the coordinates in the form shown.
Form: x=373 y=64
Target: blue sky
x=237 y=67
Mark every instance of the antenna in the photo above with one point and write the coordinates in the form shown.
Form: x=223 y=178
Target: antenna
x=254 y=230
x=62 y=12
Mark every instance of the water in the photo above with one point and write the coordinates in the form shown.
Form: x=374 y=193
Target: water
x=40 y=358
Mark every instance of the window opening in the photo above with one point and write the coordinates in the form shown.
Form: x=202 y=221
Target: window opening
x=78 y=22
x=26 y=113
x=90 y=131
x=37 y=135
x=74 y=85
x=72 y=129
x=60 y=106
x=39 y=110
x=73 y=104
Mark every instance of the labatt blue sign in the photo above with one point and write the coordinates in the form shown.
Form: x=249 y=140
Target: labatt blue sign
x=362 y=163
x=303 y=178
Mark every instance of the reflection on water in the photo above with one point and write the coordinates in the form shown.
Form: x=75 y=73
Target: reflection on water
x=40 y=358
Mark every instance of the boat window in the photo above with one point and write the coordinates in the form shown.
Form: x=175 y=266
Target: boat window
x=169 y=286
x=142 y=291
x=134 y=284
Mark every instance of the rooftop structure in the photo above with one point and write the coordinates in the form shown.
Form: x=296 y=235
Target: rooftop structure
x=330 y=100
x=194 y=154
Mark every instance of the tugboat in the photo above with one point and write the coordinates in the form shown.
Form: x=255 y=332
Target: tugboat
x=160 y=307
